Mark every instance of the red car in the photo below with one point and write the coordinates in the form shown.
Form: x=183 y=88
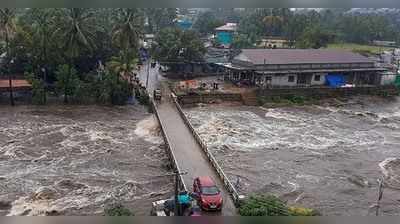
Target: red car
x=209 y=197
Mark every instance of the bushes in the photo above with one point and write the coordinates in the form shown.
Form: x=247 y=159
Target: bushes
x=288 y=100
x=269 y=205
x=105 y=87
x=263 y=205
x=117 y=210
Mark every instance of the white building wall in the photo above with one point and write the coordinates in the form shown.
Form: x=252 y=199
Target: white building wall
x=321 y=80
x=283 y=80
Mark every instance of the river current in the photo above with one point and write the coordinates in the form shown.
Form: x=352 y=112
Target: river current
x=327 y=156
x=74 y=160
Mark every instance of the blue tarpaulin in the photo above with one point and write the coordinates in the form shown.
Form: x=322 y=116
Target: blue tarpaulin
x=335 y=80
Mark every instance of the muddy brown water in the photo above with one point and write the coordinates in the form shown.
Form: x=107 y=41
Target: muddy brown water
x=327 y=157
x=74 y=160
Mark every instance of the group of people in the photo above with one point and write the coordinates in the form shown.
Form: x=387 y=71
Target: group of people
x=187 y=205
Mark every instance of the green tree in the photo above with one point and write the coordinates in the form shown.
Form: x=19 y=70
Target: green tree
x=126 y=34
x=206 y=23
x=76 y=30
x=175 y=45
x=42 y=26
x=160 y=18
x=314 y=37
x=7 y=31
x=111 y=89
x=241 y=41
x=67 y=80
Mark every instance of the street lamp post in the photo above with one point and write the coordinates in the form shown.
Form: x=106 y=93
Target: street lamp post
x=148 y=73
x=44 y=85
x=10 y=83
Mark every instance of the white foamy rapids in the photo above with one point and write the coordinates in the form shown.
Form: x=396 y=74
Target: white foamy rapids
x=33 y=206
x=246 y=131
x=149 y=130
x=390 y=168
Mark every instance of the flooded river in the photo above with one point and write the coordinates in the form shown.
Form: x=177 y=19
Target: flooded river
x=327 y=157
x=74 y=160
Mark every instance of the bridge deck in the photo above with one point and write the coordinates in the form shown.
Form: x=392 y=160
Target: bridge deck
x=188 y=153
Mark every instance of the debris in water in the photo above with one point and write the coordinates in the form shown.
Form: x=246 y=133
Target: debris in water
x=358 y=180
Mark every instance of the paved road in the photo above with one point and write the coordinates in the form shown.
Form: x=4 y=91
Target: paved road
x=188 y=153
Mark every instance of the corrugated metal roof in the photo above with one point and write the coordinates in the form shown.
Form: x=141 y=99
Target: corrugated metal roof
x=227 y=27
x=299 y=56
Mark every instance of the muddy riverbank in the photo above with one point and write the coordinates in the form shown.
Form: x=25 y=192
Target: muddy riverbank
x=327 y=157
x=74 y=160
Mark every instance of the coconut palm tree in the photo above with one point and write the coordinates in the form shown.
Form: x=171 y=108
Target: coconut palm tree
x=42 y=22
x=7 y=31
x=126 y=34
x=76 y=30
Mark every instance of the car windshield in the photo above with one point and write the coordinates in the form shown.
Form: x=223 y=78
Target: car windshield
x=210 y=190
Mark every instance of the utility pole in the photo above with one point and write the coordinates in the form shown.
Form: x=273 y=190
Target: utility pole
x=177 y=206
x=380 y=194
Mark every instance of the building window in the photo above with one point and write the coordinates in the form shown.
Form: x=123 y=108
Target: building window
x=291 y=78
x=317 y=78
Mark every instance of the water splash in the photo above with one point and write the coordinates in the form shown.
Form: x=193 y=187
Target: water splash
x=149 y=130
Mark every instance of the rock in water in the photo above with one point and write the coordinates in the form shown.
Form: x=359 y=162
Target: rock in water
x=5 y=205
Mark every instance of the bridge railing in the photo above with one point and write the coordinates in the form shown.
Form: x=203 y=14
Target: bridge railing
x=169 y=150
x=224 y=178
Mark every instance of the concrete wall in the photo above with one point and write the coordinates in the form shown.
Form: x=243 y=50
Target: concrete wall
x=282 y=80
x=208 y=97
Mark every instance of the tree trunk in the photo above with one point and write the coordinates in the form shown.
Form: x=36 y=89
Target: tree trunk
x=9 y=72
x=67 y=81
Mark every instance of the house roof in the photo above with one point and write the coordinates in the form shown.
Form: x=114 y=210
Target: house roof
x=299 y=56
x=227 y=27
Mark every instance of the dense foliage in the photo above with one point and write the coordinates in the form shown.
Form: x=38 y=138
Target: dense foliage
x=207 y=22
x=176 y=45
x=296 y=26
x=65 y=48
x=269 y=205
x=263 y=205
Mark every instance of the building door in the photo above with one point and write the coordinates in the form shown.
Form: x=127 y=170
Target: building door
x=301 y=79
